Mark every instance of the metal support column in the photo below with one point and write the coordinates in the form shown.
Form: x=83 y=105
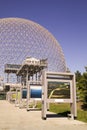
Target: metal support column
x=8 y=77
x=44 y=95
x=28 y=90
x=20 y=104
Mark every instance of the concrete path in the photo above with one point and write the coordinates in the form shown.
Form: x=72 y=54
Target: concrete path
x=13 y=118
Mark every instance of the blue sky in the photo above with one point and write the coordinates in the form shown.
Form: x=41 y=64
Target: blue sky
x=65 y=19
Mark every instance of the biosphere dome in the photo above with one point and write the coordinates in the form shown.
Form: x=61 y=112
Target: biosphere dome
x=21 y=38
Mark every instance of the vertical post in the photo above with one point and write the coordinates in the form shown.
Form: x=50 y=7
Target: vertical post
x=74 y=92
x=28 y=90
x=18 y=81
x=36 y=76
x=16 y=101
x=28 y=96
x=8 y=77
x=39 y=76
x=73 y=104
x=44 y=95
x=16 y=97
x=20 y=105
x=32 y=77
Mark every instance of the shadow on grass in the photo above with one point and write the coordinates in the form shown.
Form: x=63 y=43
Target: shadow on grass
x=59 y=115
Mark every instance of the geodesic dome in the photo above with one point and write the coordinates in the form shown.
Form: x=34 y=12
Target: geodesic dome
x=21 y=38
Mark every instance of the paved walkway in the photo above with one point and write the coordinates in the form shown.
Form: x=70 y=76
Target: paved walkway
x=13 y=118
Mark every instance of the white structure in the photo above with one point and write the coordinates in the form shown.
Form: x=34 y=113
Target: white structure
x=30 y=72
x=31 y=61
x=1 y=84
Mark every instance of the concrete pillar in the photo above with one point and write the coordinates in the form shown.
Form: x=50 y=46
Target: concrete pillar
x=73 y=104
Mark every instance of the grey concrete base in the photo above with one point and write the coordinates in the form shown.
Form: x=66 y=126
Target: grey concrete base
x=13 y=118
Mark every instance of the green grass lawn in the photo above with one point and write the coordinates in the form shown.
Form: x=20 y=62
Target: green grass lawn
x=81 y=114
x=64 y=109
x=61 y=109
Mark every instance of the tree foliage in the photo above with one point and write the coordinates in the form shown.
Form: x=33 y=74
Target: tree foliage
x=78 y=75
x=81 y=80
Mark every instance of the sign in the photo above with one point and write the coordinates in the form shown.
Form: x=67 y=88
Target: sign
x=58 y=90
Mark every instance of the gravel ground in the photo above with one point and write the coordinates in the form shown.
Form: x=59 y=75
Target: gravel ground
x=13 y=118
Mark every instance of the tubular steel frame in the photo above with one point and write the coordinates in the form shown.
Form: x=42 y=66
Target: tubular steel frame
x=21 y=38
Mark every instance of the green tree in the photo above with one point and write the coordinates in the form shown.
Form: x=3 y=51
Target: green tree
x=78 y=75
x=82 y=87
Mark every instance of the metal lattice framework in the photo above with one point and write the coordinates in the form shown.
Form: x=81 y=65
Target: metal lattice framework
x=21 y=38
